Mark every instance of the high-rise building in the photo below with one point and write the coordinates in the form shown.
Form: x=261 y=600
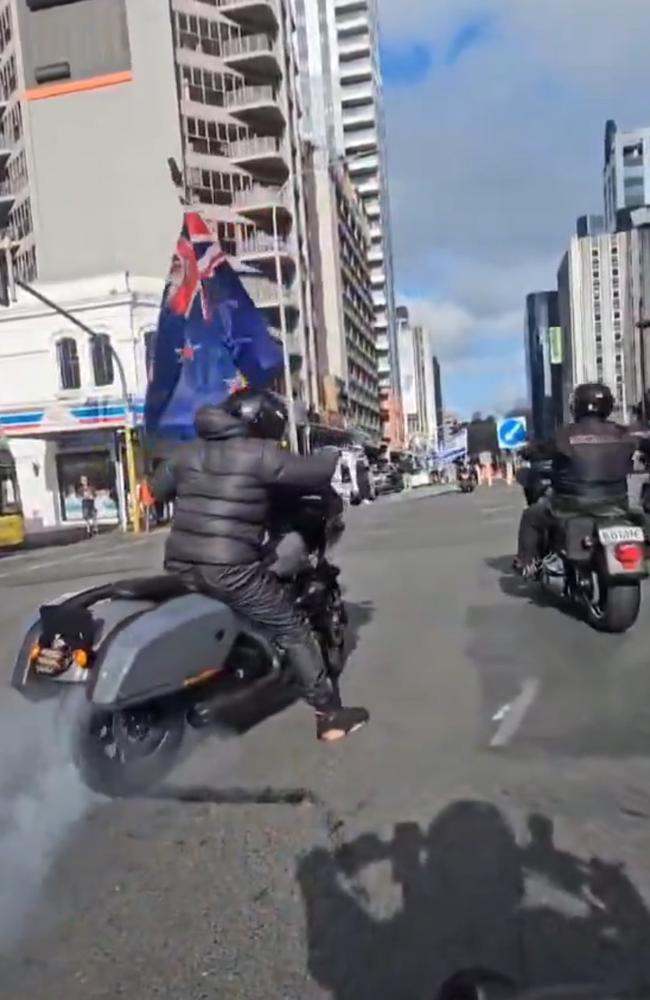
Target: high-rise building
x=596 y=317
x=109 y=91
x=421 y=405
x=345 y=339
x=544 y=354
x=440 y=406
x=341 y=78
x=627 y=170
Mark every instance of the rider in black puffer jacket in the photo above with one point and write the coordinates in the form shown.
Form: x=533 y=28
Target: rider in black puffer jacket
x=221 y=485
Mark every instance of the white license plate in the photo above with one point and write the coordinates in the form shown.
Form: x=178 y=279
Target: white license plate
x=622 y=533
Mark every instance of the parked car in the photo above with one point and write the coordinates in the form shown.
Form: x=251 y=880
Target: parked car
x=388 y=479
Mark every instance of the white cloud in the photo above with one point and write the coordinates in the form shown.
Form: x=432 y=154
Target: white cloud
x=492 y=160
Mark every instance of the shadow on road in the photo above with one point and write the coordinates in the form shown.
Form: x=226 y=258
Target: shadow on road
x=467 y=895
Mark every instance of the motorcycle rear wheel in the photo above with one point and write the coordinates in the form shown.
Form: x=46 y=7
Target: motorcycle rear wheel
x=119 y=754
x=333 y=641
x=615 y=608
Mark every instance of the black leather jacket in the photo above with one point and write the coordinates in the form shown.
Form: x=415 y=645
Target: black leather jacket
x=222 y=486
x=591 y=459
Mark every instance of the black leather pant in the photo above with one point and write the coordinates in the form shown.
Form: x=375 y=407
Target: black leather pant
x=257 y=595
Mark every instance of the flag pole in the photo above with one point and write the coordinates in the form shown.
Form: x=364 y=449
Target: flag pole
x=291 y=410
x=129 y=427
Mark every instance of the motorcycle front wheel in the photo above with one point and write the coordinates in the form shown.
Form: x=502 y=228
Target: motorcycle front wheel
x=613 y=608
x=124 y=753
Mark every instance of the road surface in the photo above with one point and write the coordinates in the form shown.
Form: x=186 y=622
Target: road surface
x=495 y=813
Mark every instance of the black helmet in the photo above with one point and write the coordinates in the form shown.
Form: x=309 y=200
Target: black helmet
x=593 y=399
x=264 y=413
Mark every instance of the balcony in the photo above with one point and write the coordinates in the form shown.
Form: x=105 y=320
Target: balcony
x=265 y=294
x=260 y=15
x=260 y=202
x=354 y=47
x=258 y=106
x=256 y=54
x=262 y=156
x=262 y=249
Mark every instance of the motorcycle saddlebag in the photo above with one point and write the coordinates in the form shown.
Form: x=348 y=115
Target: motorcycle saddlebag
x=576 y=530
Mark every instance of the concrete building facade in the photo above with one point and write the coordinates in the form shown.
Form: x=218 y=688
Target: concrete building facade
x=345 y=341
x=419 y=399
x=626 y=172
x=338 y=43
x=91 y=157
x=595 y=315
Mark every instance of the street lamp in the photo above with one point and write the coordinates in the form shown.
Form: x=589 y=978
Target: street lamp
x=291 y=410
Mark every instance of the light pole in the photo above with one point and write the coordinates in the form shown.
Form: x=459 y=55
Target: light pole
x=291 y=410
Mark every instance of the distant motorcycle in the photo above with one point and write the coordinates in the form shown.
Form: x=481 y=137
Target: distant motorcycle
x=467 y=480
x=597 y=562
x=151 y=656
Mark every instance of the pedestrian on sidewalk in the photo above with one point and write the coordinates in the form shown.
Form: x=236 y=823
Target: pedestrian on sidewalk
x=88 y=497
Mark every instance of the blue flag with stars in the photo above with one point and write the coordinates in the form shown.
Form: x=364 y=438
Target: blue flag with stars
x=211 y=338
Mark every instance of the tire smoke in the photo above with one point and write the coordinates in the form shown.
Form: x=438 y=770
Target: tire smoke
x=41 y=798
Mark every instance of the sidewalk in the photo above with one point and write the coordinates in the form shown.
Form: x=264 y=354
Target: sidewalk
x=61 y=534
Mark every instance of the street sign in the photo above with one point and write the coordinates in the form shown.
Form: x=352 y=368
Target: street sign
x=512 y=433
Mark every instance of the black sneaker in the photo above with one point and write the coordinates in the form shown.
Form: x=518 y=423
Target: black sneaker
x=339 y=723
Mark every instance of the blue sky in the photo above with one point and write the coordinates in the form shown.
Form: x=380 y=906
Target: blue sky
x=495 y=117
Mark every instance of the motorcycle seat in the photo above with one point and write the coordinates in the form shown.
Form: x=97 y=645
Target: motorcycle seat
x=163 y=587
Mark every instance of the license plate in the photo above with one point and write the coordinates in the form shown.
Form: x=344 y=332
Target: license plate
x=622 y=533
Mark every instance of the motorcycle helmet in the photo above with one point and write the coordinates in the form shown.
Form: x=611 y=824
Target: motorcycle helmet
x=264 y=413
x=593 y=399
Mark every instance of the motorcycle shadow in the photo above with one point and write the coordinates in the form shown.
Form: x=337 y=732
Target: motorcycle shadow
x=455 y=907
x=514 y=585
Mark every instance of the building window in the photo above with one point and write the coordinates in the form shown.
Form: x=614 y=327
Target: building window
x=67 y=356
x=149 y=348
x=102 y=358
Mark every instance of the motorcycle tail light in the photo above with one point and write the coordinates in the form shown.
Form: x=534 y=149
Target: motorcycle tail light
x=81 y=658
x=629 y=555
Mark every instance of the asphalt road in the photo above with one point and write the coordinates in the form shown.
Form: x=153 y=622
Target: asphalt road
x=495 y=813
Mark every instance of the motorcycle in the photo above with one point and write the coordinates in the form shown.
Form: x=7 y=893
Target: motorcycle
x=597 y=562
x=152 y=656
x=467 y=481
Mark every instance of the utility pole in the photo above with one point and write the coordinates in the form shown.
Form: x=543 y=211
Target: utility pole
x=643 y=325
x=8 y=284
x=291 y=410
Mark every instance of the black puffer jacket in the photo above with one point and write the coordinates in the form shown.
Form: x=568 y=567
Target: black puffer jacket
x=222 y=485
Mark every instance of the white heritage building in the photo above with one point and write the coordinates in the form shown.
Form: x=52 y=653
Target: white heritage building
x=62 y=405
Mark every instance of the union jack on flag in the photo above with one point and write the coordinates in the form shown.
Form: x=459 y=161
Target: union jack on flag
x=211 y=339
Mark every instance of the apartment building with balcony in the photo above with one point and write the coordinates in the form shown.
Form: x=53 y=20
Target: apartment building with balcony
x=106 y=91
x=345 y=344
x=338 y=42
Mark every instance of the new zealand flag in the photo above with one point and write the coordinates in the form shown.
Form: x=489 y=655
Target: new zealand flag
x=211 y=338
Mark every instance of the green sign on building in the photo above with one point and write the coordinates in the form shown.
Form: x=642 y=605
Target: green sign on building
x=555 y=342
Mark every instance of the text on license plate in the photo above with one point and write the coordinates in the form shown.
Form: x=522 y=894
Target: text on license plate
x=623 y=533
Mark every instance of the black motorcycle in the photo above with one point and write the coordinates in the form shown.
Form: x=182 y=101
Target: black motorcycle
x=150 y=656
x=597 y=561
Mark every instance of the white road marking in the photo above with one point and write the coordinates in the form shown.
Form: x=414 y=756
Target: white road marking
x=497 y=510
x=512 y=716
x=88 y=553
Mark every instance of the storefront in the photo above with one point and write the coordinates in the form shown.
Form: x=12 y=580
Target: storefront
x=93 y=457
x=58 y=446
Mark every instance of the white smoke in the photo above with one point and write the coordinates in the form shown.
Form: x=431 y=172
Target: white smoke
x=41 y=797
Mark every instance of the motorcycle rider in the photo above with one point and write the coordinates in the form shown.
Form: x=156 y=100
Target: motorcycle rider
x=221 y=485
x=591 y=459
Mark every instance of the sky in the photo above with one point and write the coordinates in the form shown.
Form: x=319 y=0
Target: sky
x=495 y=117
